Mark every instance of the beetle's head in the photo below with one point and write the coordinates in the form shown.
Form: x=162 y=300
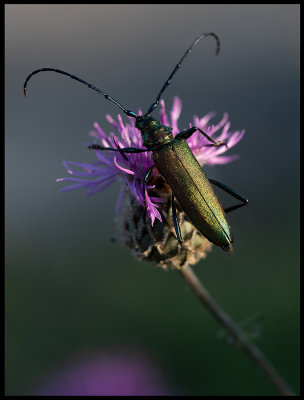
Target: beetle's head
x=153 y=132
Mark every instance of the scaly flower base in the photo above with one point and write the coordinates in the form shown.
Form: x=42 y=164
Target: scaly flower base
x=158 y=243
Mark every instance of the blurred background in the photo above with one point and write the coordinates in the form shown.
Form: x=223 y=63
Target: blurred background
x=69 y=291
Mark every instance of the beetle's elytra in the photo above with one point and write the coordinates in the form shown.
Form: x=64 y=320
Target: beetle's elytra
x=177 y=164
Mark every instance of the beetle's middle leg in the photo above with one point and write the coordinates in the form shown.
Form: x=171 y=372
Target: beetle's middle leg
x=189 y=132
x=174 y=214
x=232 y=193
x=175 y=221
x=146 y=178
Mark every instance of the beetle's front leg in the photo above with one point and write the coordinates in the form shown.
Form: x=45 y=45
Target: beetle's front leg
x=123 y=150
x=189 y=132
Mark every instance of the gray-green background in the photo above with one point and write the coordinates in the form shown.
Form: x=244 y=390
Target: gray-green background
x=67 y=288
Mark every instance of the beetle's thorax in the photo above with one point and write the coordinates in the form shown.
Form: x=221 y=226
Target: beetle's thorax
x=154 y=134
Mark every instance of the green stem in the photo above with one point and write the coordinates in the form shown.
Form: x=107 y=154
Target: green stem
x=246 y=345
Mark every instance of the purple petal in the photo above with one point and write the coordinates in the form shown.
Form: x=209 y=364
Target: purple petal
x=221 y=160
x=136 y=187
x=175 y=113
x=204 y=121
x=89 y=169
x=151 y=209
x=100 y=132
x=235 y=138
x=127 y=171
x=163 y=115
x=123 y=131
x=112 y=122
x=221 y=123
x=100 y=186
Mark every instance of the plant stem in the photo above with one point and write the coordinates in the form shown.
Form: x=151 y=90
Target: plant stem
x=246 y=345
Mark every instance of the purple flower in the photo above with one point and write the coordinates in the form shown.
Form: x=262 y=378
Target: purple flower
x=131 y=168
x=111 y=373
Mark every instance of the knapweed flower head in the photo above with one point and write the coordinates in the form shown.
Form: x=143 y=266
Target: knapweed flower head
x=131 y=169
x=113 y=372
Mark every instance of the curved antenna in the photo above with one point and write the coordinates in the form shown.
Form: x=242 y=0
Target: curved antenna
x=106 y=96
x=168 y=81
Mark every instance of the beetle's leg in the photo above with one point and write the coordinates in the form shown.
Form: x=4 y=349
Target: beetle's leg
x=189 y=132
x=124 y=150
x=119 y=148
x=232 y=193
x=175 y=221
x=146 y=178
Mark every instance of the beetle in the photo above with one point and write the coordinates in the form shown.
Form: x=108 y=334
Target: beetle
x=176 y=163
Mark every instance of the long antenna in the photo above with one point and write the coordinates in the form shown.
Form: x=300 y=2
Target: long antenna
x=168 y=81
x=106 y=96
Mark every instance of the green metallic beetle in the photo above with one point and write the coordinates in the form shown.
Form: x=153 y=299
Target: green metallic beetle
x=177 y=164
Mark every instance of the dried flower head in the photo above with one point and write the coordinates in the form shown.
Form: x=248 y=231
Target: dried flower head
x=151 y=234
